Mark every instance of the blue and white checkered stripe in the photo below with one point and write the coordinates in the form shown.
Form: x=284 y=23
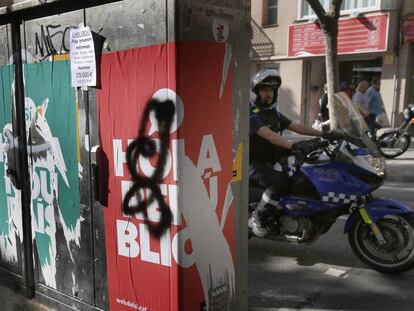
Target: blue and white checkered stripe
x=291 y=169
x=290 y=166
x=339 y=198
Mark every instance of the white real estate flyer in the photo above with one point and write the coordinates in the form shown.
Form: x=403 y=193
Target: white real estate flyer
x=82 y=57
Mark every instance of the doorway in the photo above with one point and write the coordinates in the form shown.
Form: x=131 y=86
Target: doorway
x=353 y=72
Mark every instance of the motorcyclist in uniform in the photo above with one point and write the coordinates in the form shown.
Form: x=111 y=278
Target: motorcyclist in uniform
x=267 y=145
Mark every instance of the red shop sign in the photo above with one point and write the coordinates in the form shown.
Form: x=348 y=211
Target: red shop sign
x=355 y=35
x=408 y=28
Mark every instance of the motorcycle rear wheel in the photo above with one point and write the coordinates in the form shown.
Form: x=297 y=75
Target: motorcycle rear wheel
x=392 y=146
x=397 y=255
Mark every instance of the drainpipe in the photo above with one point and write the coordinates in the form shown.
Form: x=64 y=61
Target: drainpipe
x=19 y=128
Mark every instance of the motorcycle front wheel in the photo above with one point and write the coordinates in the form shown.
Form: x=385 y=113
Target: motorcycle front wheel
x=392 y=145
x=396 y=255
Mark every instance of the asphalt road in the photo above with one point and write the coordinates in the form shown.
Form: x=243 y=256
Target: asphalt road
x=327 y=275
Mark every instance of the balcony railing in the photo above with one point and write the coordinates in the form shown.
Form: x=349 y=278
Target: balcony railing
x=262 y=45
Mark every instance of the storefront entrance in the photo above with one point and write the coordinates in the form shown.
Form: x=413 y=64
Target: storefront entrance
x=353 y=72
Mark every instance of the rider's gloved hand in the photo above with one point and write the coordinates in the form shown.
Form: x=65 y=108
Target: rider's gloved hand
x=327 y=136
x=301 y=147
x=333 y=135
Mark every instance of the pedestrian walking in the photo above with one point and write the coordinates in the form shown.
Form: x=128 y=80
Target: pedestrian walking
x=344 y=87
x=375 y=106
x=323 y=105
x=360 y=100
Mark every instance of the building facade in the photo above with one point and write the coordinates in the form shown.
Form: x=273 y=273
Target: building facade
x=374 y=40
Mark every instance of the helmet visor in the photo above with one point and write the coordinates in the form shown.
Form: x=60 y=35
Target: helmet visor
x=272 y=81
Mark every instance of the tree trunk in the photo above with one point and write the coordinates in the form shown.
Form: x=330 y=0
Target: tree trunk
x=329 y=25
x=332 y=70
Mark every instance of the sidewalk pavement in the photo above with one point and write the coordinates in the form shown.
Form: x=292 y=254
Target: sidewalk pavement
x=14 y=301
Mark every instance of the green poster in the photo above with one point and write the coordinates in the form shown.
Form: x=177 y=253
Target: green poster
x=10 y=209
x=51 y=113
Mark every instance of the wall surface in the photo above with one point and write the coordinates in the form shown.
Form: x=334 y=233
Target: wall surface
x=196 y=20
x=287 y=14
x=5 y=46
x=408 y=7
x=290 y=101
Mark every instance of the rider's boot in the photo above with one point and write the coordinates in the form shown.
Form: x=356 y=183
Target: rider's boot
x=257 y=224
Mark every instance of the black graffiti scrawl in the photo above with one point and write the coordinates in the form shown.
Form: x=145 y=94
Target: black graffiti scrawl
x=45 y=43
x=145 y=146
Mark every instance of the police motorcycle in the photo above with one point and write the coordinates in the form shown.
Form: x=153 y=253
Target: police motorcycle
x=395 y=141
x=337 y=178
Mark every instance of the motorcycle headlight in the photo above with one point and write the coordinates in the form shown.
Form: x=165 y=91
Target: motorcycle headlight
x=379 y=165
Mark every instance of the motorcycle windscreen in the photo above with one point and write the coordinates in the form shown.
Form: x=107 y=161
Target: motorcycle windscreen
x=350 y=120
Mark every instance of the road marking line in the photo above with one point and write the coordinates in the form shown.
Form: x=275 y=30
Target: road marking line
x=335 y=272
x=346 y=276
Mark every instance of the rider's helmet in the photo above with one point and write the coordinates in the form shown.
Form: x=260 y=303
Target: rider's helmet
x=265 y=77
